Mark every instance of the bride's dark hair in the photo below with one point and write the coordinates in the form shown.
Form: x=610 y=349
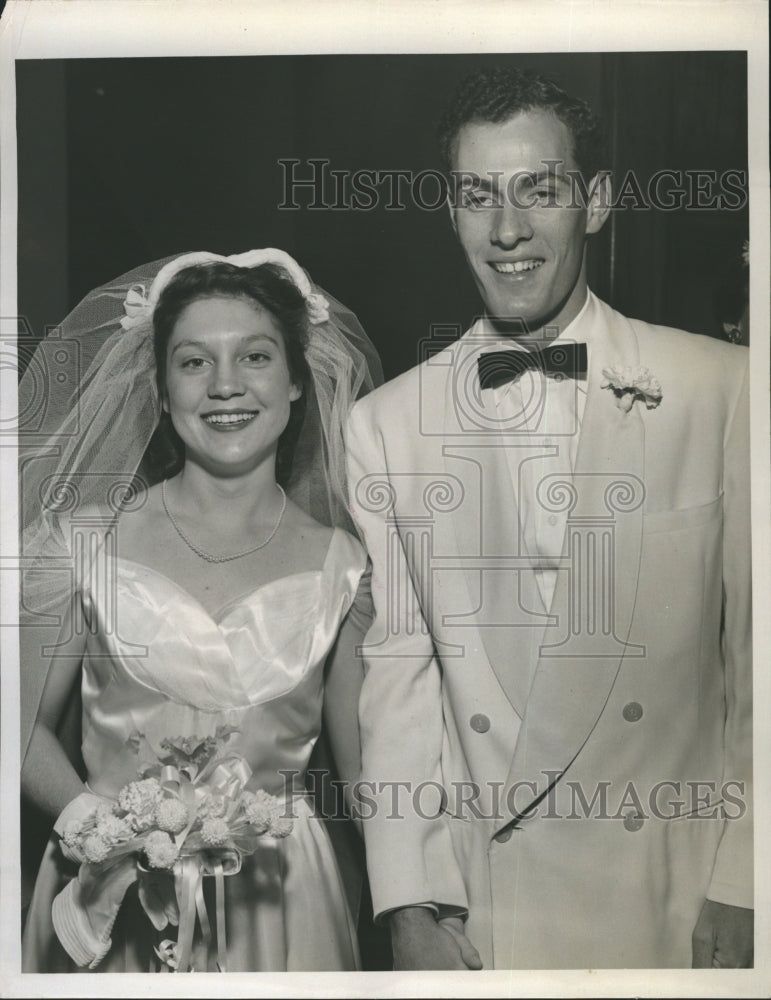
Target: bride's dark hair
x=268 y=287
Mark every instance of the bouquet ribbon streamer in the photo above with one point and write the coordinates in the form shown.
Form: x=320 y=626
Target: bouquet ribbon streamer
x=227 y=779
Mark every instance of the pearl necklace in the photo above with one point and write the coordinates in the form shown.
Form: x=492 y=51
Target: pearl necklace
x=221 y=559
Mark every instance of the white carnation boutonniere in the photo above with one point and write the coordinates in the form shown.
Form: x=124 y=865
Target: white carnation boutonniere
x=629 y=384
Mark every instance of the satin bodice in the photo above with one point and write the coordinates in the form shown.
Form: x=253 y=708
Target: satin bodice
x=159 y=663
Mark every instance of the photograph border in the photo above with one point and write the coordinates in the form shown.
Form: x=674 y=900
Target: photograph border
x=48 y=29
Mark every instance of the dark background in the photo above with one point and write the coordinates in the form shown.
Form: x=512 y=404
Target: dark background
x=123 y=161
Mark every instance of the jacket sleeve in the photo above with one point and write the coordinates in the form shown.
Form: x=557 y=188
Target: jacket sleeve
x=410 y=855
x=732 y=875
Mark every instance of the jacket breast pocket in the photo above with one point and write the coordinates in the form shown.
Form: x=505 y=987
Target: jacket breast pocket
x=658 y=521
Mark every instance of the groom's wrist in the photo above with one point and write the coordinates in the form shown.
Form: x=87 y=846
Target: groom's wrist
x=414 y=914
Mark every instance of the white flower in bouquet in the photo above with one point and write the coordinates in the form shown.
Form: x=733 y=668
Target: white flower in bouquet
x=215 y=831
x=210 y=804
x=95 y=848
x=111 y=828
x=281 y=826
x=71 y=833
x=139 y=799
x=171 y=815
x=263 y=812
x=258 y=810
x=160 y=849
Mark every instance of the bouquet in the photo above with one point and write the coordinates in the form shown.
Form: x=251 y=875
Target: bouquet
x=188 y=814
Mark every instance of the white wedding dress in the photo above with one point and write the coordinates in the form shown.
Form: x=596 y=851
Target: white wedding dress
x=160 y=664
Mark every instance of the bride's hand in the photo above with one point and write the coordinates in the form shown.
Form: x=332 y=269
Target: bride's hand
x=76 y=810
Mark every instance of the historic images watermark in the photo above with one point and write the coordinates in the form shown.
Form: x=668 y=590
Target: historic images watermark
x=314 y=184
x=668 y=800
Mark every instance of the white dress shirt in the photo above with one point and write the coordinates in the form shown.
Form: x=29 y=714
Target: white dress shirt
x=548 y=413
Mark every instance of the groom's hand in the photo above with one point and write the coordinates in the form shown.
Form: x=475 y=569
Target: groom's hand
x=723 y=937
x=421 y=942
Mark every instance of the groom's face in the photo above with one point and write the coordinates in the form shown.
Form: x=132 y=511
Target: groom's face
x=521 y=226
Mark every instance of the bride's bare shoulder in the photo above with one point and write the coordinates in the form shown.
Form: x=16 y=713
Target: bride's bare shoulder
x=141 y=517
x=306 y=530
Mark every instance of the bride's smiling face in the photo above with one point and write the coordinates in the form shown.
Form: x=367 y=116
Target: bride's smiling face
x=228 y=386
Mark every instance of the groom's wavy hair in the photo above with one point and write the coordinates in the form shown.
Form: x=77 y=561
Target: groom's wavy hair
x=496 y=95
x=268 y=287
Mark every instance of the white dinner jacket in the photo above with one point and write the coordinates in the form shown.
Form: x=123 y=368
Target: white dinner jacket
x=472 y=683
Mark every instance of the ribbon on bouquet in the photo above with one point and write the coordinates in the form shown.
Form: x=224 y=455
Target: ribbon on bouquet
x=188 y=882
x=226 y=779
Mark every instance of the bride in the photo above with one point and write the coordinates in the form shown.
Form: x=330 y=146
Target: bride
x=211 y=601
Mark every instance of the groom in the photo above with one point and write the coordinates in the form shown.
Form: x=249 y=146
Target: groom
x=556 y=713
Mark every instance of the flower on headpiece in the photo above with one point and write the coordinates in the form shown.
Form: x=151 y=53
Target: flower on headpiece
x=136 y=306
x=318 y=308
x=629 y=384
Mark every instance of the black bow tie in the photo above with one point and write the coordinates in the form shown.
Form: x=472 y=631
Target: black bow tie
x=566 y=360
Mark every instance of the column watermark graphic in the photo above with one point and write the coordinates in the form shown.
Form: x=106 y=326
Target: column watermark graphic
x=69 y=521
x=482 y=455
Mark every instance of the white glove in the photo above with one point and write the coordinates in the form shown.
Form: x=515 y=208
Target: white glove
x=158 y=898
x=77 y=810
x=85 y=910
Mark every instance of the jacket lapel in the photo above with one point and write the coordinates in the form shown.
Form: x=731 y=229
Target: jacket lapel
x=580 y=658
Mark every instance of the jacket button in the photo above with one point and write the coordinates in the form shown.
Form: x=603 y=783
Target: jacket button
x=503 y=836
x=633 y=711
x=479 y=723
x=633 y=823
